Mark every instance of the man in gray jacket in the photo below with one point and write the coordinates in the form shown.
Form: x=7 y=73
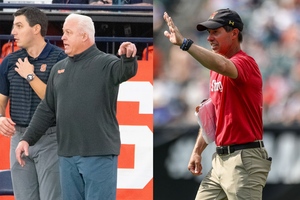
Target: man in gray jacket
x=81 y=96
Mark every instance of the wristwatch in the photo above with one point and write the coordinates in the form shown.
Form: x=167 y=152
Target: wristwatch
x=30 y=77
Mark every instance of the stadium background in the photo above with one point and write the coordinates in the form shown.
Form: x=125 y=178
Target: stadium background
x=271 y=36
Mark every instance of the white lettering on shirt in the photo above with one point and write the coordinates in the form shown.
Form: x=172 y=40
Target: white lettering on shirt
x=216 y=86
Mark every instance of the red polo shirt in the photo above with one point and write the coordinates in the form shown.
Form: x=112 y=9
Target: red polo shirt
x=238 y=102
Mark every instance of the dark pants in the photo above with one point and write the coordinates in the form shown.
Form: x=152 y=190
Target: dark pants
x=89 y=178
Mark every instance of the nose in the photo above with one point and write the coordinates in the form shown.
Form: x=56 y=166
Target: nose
x=63 y=37
x=210 y=37
x=13 y=32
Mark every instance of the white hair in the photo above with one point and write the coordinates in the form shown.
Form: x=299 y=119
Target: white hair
x=85 y=24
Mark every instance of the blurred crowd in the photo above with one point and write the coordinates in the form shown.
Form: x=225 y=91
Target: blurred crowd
x=271 y=36
x=107 y=2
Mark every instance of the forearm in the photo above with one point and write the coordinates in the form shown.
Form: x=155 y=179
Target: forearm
x=42 y=119
x=2 y=110
x=39 y=87
x=129 y=68
x=213 y=61
x=3 y=104
x=200 y=144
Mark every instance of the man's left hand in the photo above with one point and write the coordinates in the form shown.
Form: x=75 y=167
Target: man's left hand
x=127 y=48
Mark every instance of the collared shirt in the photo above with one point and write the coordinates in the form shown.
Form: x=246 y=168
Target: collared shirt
x=23 y=99
x=238 y=102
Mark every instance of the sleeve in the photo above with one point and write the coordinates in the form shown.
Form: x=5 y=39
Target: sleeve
x=124 y=69
x=44 y=116
x=244 y=65
x=4 y=84
x=42 y=119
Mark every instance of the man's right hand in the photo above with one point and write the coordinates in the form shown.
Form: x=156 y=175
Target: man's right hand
x=173 y=34
x=194 y=165
x=22 y=150
x=7 y=126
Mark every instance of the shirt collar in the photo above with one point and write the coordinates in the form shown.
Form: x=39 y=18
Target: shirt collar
x=44 y=54
x=91 y=51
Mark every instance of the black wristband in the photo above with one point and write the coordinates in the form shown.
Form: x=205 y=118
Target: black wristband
x=186 y=44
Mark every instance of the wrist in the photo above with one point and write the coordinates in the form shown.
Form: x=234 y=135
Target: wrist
x=30 y=77
x=186 y=44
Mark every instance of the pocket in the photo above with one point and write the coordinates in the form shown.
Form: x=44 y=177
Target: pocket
x=256 y=163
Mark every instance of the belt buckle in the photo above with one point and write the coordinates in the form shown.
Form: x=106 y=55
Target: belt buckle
x=223 y=150
x=228 y=150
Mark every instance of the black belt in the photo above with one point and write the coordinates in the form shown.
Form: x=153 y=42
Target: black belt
x=224 y=150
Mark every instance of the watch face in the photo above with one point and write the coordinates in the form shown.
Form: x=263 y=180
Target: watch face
x=29 y=77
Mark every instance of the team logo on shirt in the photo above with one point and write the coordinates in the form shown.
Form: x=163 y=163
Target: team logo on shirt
x=43 y=67
x=216 y=86
x=60 y=71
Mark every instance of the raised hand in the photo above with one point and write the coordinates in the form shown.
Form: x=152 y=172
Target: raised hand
x=173 y=34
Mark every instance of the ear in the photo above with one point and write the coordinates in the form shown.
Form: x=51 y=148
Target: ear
x=37 y=29
x=235 y=33
x=85 y=36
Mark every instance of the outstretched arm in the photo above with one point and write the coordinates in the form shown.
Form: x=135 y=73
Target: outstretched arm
x=209 y=59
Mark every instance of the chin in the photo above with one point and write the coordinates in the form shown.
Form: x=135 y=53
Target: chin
x=19 y=45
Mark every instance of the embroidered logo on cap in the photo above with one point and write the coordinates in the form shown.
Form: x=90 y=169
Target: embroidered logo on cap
x=231 y=23
x=213 y=15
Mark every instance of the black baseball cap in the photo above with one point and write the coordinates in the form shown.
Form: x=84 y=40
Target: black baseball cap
x=222 y=17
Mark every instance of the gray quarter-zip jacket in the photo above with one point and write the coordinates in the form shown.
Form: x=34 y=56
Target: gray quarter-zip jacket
x=82 y=96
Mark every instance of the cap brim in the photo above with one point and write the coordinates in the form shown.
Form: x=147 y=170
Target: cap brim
x=208 y=25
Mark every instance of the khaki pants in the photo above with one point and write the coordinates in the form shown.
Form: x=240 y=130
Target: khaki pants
x=240 y=175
